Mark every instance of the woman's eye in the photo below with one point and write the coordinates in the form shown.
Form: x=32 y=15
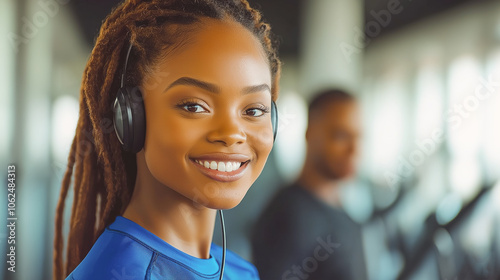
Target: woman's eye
x=255 y=112
x=193 y=108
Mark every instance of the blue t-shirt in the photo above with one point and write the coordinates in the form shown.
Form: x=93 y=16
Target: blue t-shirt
x=127 y=251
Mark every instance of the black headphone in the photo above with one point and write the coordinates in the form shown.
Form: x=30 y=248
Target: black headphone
x=129 y=117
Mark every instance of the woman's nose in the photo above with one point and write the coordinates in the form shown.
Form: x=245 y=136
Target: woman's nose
x=227 y=130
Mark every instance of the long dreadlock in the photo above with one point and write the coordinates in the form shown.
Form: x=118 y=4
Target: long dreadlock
x=104 y=175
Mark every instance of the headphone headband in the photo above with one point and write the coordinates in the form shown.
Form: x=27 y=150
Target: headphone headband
x=124 y=72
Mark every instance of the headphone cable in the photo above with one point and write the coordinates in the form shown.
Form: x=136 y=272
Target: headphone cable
x=223 y=228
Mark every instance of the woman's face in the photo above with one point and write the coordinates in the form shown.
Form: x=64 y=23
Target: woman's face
x=208 y=122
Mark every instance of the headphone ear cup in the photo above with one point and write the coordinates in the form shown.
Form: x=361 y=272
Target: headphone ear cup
x=129 y=118
x=120 y=118
x=274 y=119
x=138 y=120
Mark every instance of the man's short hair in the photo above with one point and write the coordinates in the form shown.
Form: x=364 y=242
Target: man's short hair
x=328 y=97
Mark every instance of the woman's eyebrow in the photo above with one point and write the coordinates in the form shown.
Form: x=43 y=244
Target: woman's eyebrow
x=258 y=88
x=187 y=81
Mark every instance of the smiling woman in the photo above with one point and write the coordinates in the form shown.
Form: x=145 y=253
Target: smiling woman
x=205 y=77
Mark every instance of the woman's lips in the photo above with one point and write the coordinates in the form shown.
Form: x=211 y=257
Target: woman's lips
x=221 y=167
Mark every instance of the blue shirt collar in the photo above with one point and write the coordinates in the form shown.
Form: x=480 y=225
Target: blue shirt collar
x=147 y=238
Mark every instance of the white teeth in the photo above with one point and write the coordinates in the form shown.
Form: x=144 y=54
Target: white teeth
x=213 y=165
x=236 y=165
x=229 y=167
x=220 y=166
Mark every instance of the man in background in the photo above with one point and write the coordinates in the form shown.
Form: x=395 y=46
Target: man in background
x=304 y=233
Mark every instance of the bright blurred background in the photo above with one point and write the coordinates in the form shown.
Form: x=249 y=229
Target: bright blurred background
x=427 y=74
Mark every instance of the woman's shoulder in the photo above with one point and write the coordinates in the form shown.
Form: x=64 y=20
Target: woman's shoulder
x=114 y=256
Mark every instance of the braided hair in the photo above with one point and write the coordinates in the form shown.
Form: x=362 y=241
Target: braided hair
x=103 y=174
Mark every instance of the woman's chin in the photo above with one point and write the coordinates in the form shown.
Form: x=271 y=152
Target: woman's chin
x=219 y=195
x=224 y=203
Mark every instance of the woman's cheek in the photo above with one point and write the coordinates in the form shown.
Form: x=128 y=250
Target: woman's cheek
x=160 y=158
x=165 y=148
x=262 y=139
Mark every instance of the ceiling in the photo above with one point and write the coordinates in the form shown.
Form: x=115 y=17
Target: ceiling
x=283 y=15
